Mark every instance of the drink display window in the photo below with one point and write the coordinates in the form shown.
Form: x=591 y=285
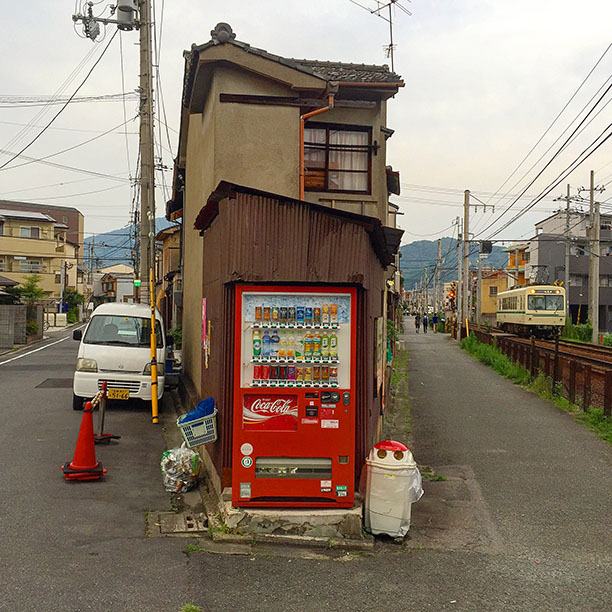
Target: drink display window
x=293 y=340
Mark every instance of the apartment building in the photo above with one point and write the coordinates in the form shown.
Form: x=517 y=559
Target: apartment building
x=35 y=243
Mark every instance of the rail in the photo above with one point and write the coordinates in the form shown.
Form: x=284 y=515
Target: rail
x=584 y=373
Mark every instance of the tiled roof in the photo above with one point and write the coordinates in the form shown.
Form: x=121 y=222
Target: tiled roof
x=358 y=73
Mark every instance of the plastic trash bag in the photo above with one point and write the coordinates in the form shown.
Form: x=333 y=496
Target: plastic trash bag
x=414 y=491
x=180 y=467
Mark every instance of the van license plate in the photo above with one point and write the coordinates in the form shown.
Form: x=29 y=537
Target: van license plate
x=119 y=394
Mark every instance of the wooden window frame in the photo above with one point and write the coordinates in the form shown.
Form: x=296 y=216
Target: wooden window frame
x=345 y=127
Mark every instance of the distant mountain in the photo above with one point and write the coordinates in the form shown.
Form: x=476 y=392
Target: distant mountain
x=424 y=253
x=116 y=246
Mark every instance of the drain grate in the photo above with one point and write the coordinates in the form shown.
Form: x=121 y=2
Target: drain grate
x=187 y=522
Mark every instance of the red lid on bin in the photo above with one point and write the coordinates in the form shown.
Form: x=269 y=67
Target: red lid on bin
x=391 y=445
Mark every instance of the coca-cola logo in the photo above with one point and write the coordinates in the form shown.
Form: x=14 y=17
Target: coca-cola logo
x=281 y=409
x=272 y=406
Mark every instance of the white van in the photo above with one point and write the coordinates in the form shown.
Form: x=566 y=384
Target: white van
x=116 y=348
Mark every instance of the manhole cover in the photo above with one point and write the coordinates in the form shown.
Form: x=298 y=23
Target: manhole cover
x=55 y=383
x=187 y=522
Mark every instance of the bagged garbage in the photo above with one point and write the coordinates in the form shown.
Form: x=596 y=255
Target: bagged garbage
x=180 y=467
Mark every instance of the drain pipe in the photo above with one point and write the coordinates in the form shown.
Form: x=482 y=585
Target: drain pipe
x=303 y=119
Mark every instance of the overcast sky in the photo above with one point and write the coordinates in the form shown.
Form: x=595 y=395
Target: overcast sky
x=484 y=80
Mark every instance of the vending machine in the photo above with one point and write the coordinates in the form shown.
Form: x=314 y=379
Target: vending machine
x=294 y=397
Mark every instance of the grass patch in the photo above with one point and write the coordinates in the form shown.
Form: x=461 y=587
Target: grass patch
x=190 y=608
x=541 y=385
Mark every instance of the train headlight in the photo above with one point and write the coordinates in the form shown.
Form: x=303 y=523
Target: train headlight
x=532 y=291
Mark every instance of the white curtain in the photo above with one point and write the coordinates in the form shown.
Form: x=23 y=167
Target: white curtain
x=340 y=160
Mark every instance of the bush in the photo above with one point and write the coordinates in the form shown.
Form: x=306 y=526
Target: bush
x=31 y=328
x=582 y=332
x=72 y=316
x=177 y=334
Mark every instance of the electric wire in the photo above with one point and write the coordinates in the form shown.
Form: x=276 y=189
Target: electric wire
x=555 y=119
x=63 y=107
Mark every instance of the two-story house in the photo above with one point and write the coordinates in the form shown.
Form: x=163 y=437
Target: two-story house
x=35 y=243
x=277 y=136
x=306 y=129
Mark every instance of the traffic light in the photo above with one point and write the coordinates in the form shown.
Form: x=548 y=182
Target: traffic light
x=452 y=294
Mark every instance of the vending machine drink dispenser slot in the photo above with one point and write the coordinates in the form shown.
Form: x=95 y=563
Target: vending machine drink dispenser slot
x=294 y=383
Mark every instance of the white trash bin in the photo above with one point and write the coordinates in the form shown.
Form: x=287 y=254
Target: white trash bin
x=391 y=484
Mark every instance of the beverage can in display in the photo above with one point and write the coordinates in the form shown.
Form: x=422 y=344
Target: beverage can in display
x=333 y=313
x=325 y=314
x=266 y=313
x=283 y=314
x=265 y=344
x=308 y=345
x=274 y=344
x=325 y=346
x=256 y=372
x=258 y=313
x=333 y=346
x=333 y=374
x=316 y=316
x=282 y=372
x=291 y=314
x=290 y=345
x=299 y=374
x=325 y=374
x=256 y=343
x=265 y=372
x=308 y=316
x=307 y=374
x=275 y=314
x=316 y=373
x=273 y=372
x=282 y=349
x=299 y=314
x=291 y=373
x=316 y=345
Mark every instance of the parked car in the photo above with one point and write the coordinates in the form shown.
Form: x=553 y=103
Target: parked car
x=116 y=348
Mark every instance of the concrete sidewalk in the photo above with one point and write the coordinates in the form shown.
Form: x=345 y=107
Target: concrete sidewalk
x=545 y=481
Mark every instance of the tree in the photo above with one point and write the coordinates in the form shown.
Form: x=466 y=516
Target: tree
x=12 y=296
x=73 y=298
x=31 y=291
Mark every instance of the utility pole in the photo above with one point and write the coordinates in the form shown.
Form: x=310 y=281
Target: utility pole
x=426 y=278
x=594 y=260
x=593 y=235
x=459 y=276
x=567 y=245
x=479 y=290
x=147 y=154
x=466 y=254
x=438 y=299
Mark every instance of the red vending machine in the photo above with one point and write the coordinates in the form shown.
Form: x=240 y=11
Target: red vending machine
x=294 y=397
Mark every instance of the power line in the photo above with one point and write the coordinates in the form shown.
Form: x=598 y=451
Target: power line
x=64 y=106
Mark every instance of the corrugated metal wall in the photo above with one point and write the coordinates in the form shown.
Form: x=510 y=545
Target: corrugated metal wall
x=260 y=239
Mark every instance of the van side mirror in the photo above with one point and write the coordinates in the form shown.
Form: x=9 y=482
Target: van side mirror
x=77 y=334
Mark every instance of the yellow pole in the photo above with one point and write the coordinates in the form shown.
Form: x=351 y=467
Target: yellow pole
x=467 y=328
x=154 y=414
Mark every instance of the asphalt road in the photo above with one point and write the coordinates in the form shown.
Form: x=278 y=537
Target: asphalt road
x=523 y=521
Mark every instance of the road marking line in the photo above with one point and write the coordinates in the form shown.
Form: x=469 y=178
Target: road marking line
x=34 y=351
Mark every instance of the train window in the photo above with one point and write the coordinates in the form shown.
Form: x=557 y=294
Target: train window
x=545 y=302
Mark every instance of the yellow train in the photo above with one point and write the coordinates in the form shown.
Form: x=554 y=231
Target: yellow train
x=532 y=310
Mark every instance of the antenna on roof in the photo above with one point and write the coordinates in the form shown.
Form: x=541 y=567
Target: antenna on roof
x=380 y=7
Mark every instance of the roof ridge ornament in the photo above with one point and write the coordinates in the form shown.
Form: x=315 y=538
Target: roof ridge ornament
x=222 y=33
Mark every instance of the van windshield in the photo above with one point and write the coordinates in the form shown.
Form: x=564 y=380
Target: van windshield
x=116 y=330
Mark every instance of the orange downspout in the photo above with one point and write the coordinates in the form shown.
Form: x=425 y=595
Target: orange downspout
x=303 y=119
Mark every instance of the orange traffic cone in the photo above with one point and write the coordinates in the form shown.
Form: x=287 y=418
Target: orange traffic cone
x=84 y=465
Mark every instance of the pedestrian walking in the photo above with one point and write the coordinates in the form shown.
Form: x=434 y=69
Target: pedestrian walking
x=417 y=322
x=425 y=323
x=435 y=322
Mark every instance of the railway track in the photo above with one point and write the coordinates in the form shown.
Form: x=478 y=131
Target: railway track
x=592 y=353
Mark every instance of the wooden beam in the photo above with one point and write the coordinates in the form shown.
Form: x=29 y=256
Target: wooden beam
x=292 y=101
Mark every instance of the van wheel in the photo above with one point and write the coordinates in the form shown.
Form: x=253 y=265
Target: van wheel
x=77 y=402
